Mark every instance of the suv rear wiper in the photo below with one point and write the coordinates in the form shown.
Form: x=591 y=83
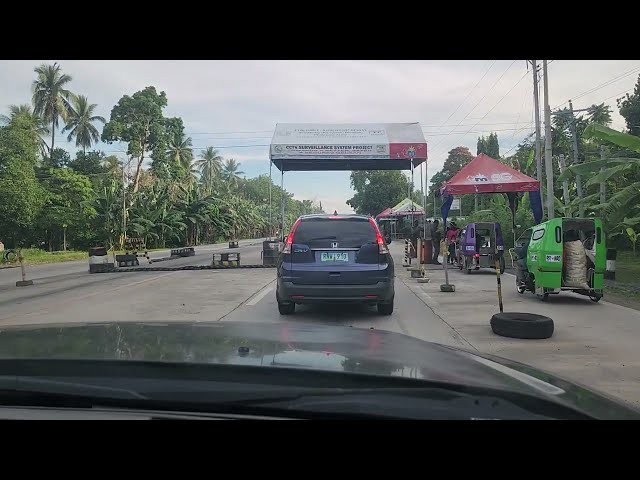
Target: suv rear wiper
x=315 y=239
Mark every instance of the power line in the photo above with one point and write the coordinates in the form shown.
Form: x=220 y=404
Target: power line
x=602 y=85
x=468 y=94
x=498 y=102
x=483 y=97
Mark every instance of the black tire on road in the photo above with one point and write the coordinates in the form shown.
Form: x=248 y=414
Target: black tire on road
x=286 y=308
x=596 y=298
x=385 y=308
x=522 y=325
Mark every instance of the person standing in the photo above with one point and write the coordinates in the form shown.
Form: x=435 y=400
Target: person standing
x=452 y=235
x=436 y=236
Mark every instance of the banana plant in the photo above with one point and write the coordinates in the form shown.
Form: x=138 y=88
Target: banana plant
x=625 y=198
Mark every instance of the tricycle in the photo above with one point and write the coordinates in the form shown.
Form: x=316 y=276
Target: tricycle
x=562 y=254
x=479 y=245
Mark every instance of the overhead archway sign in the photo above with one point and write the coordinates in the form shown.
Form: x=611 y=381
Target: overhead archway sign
x=358 y=146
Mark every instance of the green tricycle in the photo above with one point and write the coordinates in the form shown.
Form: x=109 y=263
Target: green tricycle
x=562 y=254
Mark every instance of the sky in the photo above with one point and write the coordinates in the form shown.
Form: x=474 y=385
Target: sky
x=235 y=105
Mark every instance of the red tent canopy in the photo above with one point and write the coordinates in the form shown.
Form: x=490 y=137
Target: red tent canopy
x=387 y=212
x=484 y=174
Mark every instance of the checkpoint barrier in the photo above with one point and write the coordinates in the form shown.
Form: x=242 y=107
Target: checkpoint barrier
x=270 y=252
x=233 y=244
x=183 y=252
x=226 y=259
x=127 y=260
x=99 y=260
x=134 y=246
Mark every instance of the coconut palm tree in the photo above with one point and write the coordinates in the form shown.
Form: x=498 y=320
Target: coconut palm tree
x=51 y=100
x=80 y=123
x=209 y=164
x=35 y=122
x=180 y=151
x=230 y=172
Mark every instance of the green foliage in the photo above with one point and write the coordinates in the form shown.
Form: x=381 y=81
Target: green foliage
x=21 y=196
x=80 y=123
x=138 y=120
x=89 y=163
x=377 y=190
x=67 y=206
x=456 y=159
x=57 y=158
x=489 y=146
x=51 y=99
x=629 y=107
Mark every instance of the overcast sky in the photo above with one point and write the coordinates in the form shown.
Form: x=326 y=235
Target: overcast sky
x=234 y=105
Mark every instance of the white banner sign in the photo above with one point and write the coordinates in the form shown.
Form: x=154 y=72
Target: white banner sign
x=343 y=141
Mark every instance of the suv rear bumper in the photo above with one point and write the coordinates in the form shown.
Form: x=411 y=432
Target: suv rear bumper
x=381 y=292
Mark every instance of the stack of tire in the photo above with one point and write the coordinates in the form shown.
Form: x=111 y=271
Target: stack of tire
x=99 y=260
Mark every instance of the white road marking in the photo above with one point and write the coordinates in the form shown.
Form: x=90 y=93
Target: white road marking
x=259 y=296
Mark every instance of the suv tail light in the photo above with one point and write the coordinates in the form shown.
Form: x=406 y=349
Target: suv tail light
x=289 y=242
x=382 y=246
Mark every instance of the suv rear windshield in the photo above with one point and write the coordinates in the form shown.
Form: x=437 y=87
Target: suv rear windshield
x=348 y=232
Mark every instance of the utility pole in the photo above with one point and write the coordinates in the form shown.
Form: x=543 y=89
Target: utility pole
x=547 y=144
x=603 y=184
x=576 y=159
x=536 y=106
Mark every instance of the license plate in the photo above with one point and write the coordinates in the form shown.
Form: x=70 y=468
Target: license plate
x=334 y=257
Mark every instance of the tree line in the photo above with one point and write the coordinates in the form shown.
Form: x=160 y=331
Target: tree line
x=162 y=192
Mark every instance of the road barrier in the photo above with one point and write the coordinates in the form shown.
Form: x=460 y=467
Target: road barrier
x=270 y=252
x=183 y=252
x=99 y=260
x=134 y=247
x=186 y=267
x=127 y=260
x=226 y=259
x=407 y=254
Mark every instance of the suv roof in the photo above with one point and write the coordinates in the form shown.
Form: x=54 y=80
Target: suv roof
x=330 y=215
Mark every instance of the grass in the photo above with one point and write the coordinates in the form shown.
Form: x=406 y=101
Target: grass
x=627 y=272
x=628 y=268
x=37 y=256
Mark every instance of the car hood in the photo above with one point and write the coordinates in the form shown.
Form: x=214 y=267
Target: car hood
x=308 y=346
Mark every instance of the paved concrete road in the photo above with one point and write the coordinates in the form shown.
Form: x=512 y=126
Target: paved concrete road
x=595 y=344
x=68 y=292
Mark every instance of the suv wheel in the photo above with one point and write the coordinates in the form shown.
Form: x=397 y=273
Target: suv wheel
x=286 y=308
x=385 y=308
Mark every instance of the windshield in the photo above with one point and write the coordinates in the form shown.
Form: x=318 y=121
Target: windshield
x=348 y=232
x=396 y=220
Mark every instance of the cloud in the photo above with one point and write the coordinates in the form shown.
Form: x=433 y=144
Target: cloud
x=232 y=104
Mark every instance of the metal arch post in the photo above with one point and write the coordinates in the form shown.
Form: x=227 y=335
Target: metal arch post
x=282 y=204
x=270 y=208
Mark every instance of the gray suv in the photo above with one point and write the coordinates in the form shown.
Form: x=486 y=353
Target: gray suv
x=335 y=259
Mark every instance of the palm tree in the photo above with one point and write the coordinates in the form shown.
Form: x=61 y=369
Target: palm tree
x=35 y=123
x=209 y=164
x=180 y=151
x=230 y=172
x=80 y=124
x=51 y=100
